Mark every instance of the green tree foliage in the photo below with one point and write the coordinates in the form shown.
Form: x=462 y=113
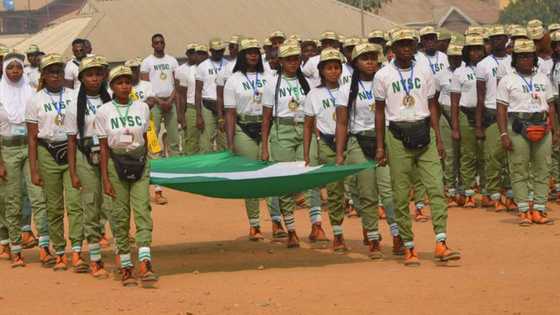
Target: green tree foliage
x=522 y=11
x=369 y=5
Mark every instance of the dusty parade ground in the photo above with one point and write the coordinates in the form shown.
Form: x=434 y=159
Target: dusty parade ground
x=207 y=266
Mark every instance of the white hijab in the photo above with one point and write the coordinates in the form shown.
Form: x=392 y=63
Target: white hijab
x=14 y=95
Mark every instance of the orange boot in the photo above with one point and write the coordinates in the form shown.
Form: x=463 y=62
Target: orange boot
x=443 y=253
x=97 y=270
x=5 y=253
x=278 y=232
x=159 y=199
x=398 y=246
x=104 y=242
x=293 y=239
x=511 y=205
x=317 y=233
x=255 y=234
x=499 y=206
x=538 y=218
x=381 y=212
x=28 y=240
x=17 y=260
x=127 y=277
x=78 y=264
x=460 y=200
x=419 y=216
x=375 y=250
x=411 y=258
x=339 y=245
x=147 y=276
x=525 y=218
x=47 y=260
x=469 y=202
x=486 y=202
x=61 y=263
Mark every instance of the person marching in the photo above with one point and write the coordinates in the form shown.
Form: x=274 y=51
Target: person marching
x=555 y=76
x=209 y=118
x=83 y=153
x=187 y=109
x=485 y=118
x=283 y=98
x=243 y=93
x=15 y=94
x=525 y=100
x=48 y=144
x=121 y=126
x=463 y=108
x=354 y=113
x=404 y=95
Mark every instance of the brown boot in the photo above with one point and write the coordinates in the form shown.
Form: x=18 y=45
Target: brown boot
x=78 y=264
x=255 y=234
x=317 y=233
x=17 y=261
x=525 y=218
x=365 y=241
x=486 y=202
x=452 y=202
x=469 y=202
x=293 y=239
x=28 y=240
x=398 y=246
x=97 y=270
x=375 y=250
x=61 y=263
x=339 y=245
x=511 y=205
x=538 y=218
x=159 y=199
x=419 y=216
x=147 y=275
x=381 y=212
x=5 y=253
x=278 y=231
x=47 y=260
x=411 y=258
x=443 y=253
x=460 y=200
x=127 y=277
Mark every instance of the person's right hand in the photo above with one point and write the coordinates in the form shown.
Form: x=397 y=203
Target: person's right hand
x=36 y=179
x=456 y=134
x=380 y=157
x=76 y=182
x=506 y=143
x=479 y=134
x=108 y=189
x=3 y=172
x=199 y=122
x=265 y=156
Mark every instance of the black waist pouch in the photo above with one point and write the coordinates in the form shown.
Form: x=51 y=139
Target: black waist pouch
x=490 y=117
x=471 y=115
x=413 y=135
x=532 y=129
x=92 y=152
x=129 y=168
x=252 y=130
x=367 y=144
x=211 y=105
x=329 y=140
x=58 y=150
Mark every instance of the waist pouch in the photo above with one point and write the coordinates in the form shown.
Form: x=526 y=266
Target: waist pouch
x=489 y=117
x=92 y=152
x=211 y=105
x=329 y=140
x=470 y=112
x=533 y=129
x=413 y=135
x=58 y=150
x=129 y=168
x=367 y=144
x=252 y=130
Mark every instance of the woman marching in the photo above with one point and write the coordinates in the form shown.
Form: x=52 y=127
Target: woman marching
x=15 y=94
x=243 y=109
x=463 y=108
x=83 y=153
x=121 y=127
x=354 y=113
x=48 y=145
x=283 y=98
x=526 y=113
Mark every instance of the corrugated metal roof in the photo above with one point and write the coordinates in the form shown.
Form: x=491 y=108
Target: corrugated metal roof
x=23 y=5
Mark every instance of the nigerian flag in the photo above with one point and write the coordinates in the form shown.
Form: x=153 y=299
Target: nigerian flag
x=225 y=175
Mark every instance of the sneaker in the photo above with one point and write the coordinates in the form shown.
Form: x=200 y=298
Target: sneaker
x=411 y=258
x=5 y=253
x=486 y=202
x=398 y=246
x=61 y=263
x=147 y=275
x=317 y=233
x=28 y=240
x=293 y=239
x=255 y=234
x=381 y=212
x=78 y=264
x=538 y=218
x=17 y=261
x=469 y=202
x=339 y=245
x=97 y=270
x=375 y=250
x=525 y=219
x=278 y=231
x=127 y=277
x=47 y=260
x=443 y=253
x=159 y=199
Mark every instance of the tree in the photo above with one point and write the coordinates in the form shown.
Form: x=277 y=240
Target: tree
x=369 y=5
x=522 y=11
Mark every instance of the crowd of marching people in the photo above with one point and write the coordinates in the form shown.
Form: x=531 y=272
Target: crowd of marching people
x=451 y=120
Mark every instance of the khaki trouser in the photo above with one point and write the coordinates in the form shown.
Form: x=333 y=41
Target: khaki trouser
x=58 y=191
x=496 y=163
x=170 y=120
x=472 y=157
x=452 y=153
x=211 y=133
x=191 y=134
x=404 y=163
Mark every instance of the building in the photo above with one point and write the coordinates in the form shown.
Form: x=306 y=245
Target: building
x=30 y=16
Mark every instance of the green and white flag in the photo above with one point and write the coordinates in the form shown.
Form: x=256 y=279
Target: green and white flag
x=225 y=175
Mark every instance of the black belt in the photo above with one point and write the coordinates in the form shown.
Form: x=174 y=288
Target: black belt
x=540 y=116
x=14 y=141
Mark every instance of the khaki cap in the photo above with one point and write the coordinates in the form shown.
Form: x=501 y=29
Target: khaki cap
x=524 y=46
x=14 y=54
x=51 y=59
x=555 y=36
x=234 y=39
x=475 y=30
x=474 y=40
x=289 y=50
x=535 y=33
x=295 y=37
x=351 y=41
x=119 y=71
x=365 y=48
x=427 y=30
x=553 y=27
x=33 y=49
x=535 y=23
x=519 y=31
x=279 y=34
x=329 y=35
x=403 y=34
x=248 y=43
x=266 y=42
x=330 y=54
x=291 y=42
x=133 y=63
x=201 y=47
x=90 y=62
x=376 y=34
x=191 y=46
x=497 y=30
x=216 y=44
x=455 y=50
x=444 y=34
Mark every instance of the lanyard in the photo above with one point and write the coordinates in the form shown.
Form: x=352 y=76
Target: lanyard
x=369 y=94
x=333 y=99
x=432 y=64
x=253 y=86
x=214 y=65
x=529 y=84
x=496 y=60
x=295 y=91
x=405 y=87
x=91 y=107
x=117 y=107
x=57 y=106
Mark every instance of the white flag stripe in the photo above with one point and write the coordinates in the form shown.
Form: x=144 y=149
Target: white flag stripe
x=275 y=170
